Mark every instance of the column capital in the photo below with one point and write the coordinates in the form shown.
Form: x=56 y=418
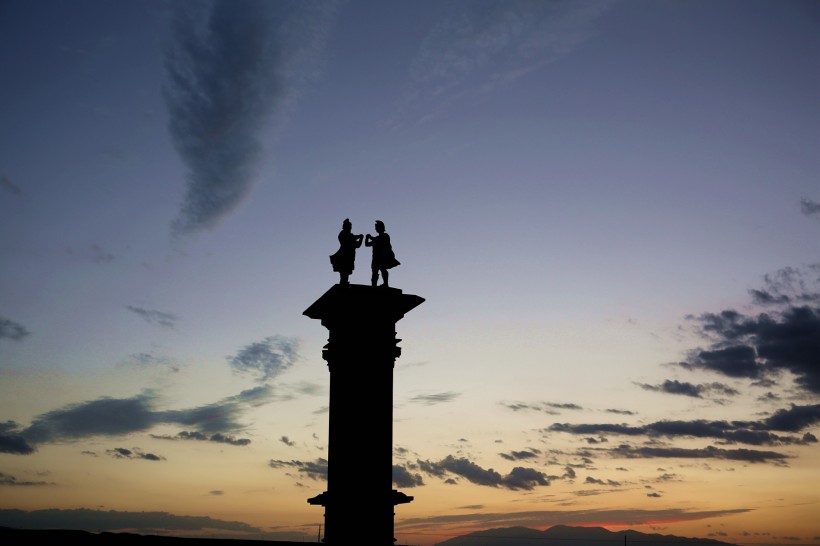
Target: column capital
x=349 y=302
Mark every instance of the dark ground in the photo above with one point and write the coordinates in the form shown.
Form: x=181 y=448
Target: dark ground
x=12 y=537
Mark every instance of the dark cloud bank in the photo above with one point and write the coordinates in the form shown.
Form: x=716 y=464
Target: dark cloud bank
x=764 y=348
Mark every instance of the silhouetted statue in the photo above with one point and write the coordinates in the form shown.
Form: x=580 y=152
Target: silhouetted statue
x=383 y=256
x=343 y=259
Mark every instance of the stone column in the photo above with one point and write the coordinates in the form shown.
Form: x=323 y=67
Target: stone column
x=361 y=352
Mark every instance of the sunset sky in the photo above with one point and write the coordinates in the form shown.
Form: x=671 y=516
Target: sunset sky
x=611 y=208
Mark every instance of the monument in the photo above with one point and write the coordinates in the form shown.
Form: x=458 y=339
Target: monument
x=361 y=352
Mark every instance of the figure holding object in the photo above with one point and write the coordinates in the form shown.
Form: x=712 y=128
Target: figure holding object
x=383 y=256
x=343 y=259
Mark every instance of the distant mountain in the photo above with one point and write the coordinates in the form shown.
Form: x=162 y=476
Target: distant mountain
x=562 y=535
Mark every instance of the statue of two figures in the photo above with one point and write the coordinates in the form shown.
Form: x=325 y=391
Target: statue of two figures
x=383 y=257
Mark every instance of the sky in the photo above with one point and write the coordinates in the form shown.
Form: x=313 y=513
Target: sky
x=611 y=209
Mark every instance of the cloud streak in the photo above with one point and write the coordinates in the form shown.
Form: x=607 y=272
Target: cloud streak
x=152 y=316
x=229 y=66
x=550 y=408
x=709 y=452
x=762 y=432
x=437 y=398
x=476 y=48
x=202 y=437
x=684 y=388
x=120 y=416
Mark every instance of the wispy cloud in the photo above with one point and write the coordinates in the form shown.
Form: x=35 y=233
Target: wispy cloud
x=229 y=65
x=267 y=358
x=152 y=316
x=12 y=330
x=523 y=406
x=550 y=408
x=217 y=437
x=148 y=360
x=478 y=47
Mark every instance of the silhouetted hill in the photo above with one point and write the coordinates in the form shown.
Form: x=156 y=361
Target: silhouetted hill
x=559 y=535
x=562 y=535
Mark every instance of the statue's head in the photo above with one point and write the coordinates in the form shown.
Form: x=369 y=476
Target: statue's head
x=379 y=226
x=346 y=224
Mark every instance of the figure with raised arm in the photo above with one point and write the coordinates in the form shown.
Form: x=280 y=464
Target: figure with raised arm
x=383 y=256
x=343 y=259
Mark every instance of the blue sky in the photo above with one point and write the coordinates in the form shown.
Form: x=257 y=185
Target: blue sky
x=611 y=208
